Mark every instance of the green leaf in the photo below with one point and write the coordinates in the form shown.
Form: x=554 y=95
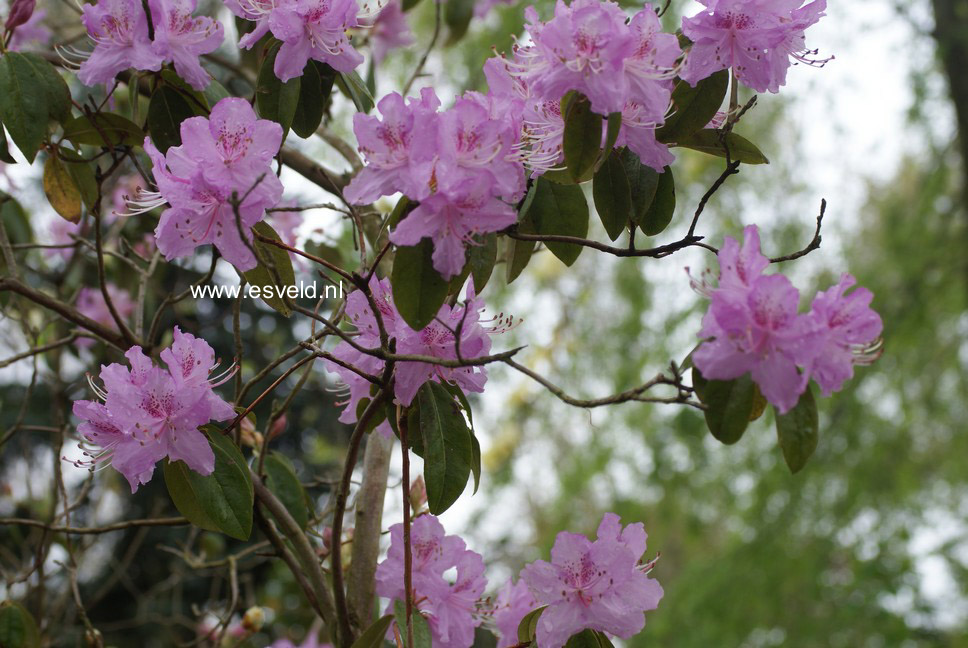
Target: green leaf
x=103 y=129
x=274 y=99
x=728 y=405
x=560 y=210
x=60 y=189
x=354 y=87
x=709 y=141
x=281 y=479
x=418 y=289
x=410 y=4
x=17 y=627
x=262 y=276
x=311 y=104
x=693 y=107
x=663 y=206
x=798 y=431
x=475 y=461
x=23 y=103
x=759 y=403
x=373 y=636
x=529 y=625
x=167 y=109
x=586 y=639
x=582 y=140
x=421 y=629
x=518 y=253
x=643 y=183
x=457 y=16
x=58 y=94
x=221 y=501
x=613 y=197
x=447 y=446
x=481 y=259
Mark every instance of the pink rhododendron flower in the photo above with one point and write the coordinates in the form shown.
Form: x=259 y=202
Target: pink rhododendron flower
x=90 y=303
x=514 y=601
x=596 y=585
x=119 y=29
x=181 y=38
x=224 y=156
x=450 y=607
x=849 y=333
x=393 y=164
x=148 y=413
x=388 y=30
x=756 y=38
x=314 y=29
x=61 y=232
x=257 y=11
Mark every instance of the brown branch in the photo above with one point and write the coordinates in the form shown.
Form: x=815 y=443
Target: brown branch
x=118 y=526
x=812 y=245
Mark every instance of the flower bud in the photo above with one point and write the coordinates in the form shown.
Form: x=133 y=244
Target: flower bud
x=92 y=637
x=20 y=12
x=253 y=619
x=250 y=437
x=278 y=427
x=418 y=494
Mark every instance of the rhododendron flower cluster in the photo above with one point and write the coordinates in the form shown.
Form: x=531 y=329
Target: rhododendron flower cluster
x=458 y=164
x=591 y=47
x=758 y=39
x=437 y=340
x=308 y=29
x=146 y=413
x=119 y=29
x=223 y=160
x=450 y=607
x=753 y=326
x=598 y=585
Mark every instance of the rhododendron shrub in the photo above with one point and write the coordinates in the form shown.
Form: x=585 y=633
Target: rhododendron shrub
x=170 y=147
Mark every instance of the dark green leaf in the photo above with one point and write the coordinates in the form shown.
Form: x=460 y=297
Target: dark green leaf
x=58 y=94
x=17 y=627
x=373 y=636
x=582 y=140
x=663 y=206
x=167 y=109
x=418 y=289
x=711 y=141
x=529 y=625
x=214 y=92
x=560 y=210
x=311 y=103
x=457 y=16
x=421 y=629
x=281 y=479
x=447 y=446
x=23 y=103
x=481 y=259
x=518 y=253
x=613 y=197
x=221 y=501
x=197 y=100
x=693 y=107
x=401 y=209
x=759 y=403
x=475 y=461
x=728 y=405
x=587 y=639
x=409 y=4
x=274 y=99
x=613 y=128
x=103 y=129
x=271 y=285
x=798 y=431
x=643 y=182
x=355 y=88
